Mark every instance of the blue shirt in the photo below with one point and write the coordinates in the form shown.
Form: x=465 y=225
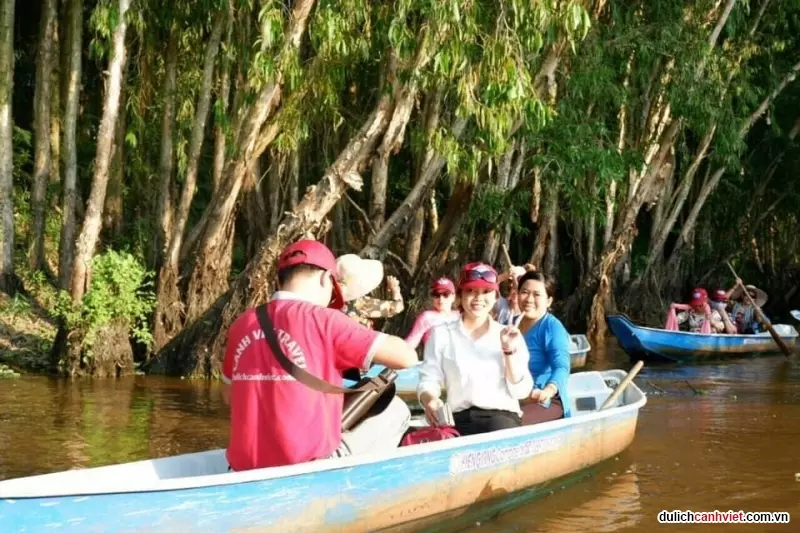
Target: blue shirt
x=548 y=344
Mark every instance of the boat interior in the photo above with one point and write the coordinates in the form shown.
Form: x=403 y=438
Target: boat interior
x=588 y=392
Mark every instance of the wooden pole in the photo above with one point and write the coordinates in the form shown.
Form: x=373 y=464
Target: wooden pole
x=622 y=385
x=761 y=316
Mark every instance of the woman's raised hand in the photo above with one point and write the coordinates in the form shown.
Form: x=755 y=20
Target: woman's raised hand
x=509 y=336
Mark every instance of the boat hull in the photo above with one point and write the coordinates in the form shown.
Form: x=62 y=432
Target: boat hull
x=655 y=344
x=410 y=488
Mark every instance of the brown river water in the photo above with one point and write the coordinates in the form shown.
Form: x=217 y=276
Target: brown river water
x=714 y=437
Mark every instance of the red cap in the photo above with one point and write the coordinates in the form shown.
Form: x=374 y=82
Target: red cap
x=478 y=276
x=314 y=253
x=443 y=286
x=699 y=297
x=719 y=295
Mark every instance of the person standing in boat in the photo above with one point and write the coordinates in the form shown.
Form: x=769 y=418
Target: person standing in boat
x=483 y=365
x=548 y=343
x=359 y=277
x=443 y=294
x=275 y=419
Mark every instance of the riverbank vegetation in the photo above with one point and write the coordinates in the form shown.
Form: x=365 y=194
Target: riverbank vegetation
x=156 y=157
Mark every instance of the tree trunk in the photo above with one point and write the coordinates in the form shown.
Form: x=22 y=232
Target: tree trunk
x=492 y=245
x=544 y=227
x=598 y=282
x=416 y=229
x=7 y=280
x=166 y=163
x=73 y=44
x=513 y=183
x=196 y=140
x=223 y=99
x=591 y=242
x=113 y=211
x=293 y=188
x=254 y=206
x=256 y=282
x=710 y=184
x=168 y=300
x=405 y=95
x=208 y=274
x=551 y=259
x=398 y=222
x=87 y=240
x=577 y=248
x=457 y=208
x=42 y=100
x=56 y=111
x=276 y=169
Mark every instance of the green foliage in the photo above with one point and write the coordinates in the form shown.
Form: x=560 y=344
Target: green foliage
x=7 y=372
x=120 y=291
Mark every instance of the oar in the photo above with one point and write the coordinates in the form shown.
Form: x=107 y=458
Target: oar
x=762 y=318
x=622 y=385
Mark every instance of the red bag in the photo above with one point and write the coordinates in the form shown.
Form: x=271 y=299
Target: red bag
x=428 y=434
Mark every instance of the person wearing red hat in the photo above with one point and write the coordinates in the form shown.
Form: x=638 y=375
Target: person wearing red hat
x=484 y=364
x=443 y=294
x=698 y=315
x=275 y=419
x=719 y=302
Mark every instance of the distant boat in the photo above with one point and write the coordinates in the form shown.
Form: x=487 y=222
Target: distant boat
x=657 y=344
x=409 y=488
x=408 y=378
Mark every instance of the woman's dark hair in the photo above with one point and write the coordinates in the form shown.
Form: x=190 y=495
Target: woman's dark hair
x=533 y=275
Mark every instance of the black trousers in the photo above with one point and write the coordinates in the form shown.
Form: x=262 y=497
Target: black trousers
x=476 y=420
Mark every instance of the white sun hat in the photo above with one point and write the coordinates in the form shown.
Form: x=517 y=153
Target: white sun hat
x=358 y=277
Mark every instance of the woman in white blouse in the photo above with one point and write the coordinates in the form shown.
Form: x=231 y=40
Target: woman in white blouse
x=483 y=364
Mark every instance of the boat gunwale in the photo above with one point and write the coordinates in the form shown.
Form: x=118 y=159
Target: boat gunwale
x=40 y=481
x=737 y=336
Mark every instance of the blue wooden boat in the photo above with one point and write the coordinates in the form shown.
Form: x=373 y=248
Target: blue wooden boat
x=408 y=378
x=657 y=344
x=404 y=490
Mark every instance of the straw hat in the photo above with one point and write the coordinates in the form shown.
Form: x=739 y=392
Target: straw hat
x=358 y=277
x=759 y=296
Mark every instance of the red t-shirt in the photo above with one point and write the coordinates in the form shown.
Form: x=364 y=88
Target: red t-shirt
x=276 y=420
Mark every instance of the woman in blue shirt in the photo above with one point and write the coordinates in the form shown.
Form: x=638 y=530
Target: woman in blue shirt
x=548 y=344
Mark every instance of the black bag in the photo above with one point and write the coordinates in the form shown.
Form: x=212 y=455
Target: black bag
x=368 y=398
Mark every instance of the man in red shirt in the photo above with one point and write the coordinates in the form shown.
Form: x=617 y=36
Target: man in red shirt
x=276 y=420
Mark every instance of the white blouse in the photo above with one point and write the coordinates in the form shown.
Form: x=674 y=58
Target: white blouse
x=473 y=371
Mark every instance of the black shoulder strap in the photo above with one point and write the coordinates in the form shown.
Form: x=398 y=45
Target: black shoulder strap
x=295 y=371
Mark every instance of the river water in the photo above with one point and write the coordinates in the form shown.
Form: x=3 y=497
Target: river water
x=712 y=437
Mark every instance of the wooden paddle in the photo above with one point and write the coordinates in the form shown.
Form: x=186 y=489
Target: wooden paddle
x=622 y=385
x=763 y=319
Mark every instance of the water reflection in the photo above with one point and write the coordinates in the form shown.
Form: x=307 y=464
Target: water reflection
x=721 y=436
x=48 y=424
x=728 y=443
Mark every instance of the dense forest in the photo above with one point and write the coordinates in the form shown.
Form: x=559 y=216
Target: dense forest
x=156 y=157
